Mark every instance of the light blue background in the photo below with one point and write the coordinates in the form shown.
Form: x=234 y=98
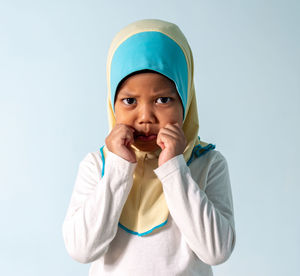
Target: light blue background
x=53 y=112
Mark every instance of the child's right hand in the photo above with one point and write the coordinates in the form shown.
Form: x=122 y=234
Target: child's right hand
x=119 y=140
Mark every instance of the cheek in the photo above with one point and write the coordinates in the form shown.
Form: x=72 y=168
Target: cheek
x=122 y=116
x=118 y=114
x=120 y=119
x=173 y=116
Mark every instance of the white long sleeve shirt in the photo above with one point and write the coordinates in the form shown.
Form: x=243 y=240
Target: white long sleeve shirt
x=200 y=229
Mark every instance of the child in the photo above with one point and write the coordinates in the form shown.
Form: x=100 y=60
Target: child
x=155 y=200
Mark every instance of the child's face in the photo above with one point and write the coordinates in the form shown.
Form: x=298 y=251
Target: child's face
x=147 y=102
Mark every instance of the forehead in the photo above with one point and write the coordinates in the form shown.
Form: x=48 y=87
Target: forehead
x=142 y=81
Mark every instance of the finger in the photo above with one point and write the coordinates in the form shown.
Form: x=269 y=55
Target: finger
x=123 y=127
x=129 y=128
x=175 y=133
x=127 y=138
x=125 y=131
x=160 y=142
x=167 y=138
x=127 y=142
x=175 y=127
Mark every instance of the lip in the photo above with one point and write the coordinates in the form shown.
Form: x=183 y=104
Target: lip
x=146 y=137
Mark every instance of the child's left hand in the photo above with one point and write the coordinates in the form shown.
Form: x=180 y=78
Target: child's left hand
x=172 y=141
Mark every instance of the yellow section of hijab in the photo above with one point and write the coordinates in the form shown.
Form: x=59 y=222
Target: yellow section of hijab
x=145 y=208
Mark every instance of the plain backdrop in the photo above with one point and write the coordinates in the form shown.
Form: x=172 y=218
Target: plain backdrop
x=53 y=112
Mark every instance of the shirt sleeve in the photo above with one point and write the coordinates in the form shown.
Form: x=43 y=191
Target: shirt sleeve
x=95 y=207
x=205 y=218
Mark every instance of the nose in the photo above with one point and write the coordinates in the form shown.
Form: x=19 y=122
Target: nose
x=146 y=114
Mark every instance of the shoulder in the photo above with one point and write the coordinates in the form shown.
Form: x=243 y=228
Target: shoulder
x=209 y=159
x=208 y=166
x=95 y=161
x=92 y=160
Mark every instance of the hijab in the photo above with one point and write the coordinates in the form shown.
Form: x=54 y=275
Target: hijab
x=160 y=46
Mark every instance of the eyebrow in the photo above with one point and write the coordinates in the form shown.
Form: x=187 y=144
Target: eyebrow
x=159 y=92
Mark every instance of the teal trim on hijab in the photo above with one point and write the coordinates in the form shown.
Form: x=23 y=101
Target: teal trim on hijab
x=154 y=51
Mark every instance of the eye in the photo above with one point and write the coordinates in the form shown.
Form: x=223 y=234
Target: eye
x=129 y=101
x=163 y=100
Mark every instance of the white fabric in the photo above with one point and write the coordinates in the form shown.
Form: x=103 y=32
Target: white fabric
x=200 y=229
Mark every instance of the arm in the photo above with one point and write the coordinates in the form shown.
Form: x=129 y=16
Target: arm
x=96 y=204
x=205 y=218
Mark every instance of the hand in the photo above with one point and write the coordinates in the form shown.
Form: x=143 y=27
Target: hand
x=172 y=141
x=119 y=140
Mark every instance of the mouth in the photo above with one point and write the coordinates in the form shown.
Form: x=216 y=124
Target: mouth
x=145 y=137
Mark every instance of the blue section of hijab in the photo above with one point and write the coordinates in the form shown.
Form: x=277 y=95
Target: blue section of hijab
x=154 y=51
